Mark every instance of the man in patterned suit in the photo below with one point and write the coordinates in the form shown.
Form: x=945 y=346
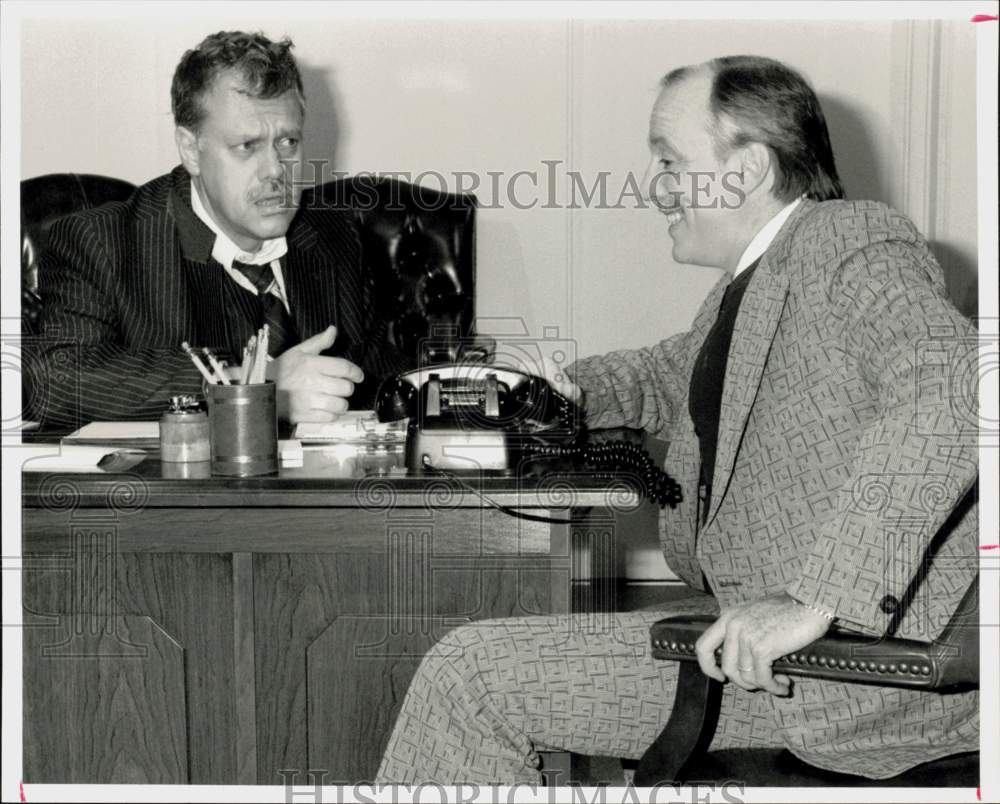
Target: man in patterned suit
x=207 y=254
x=827 y=462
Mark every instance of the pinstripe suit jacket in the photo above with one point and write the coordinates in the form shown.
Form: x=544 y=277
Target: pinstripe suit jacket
x=845 y=464
x=124 y=284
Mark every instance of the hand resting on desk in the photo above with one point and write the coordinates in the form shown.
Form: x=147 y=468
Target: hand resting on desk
x=312 y=387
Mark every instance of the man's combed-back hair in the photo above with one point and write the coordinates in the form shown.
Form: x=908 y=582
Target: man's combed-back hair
x=756 y=99
x=267 y=69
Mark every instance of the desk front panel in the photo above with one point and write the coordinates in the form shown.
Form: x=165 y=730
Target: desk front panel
x=231 y=644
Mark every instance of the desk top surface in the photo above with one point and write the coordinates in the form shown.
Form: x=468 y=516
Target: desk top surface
x=341 y=476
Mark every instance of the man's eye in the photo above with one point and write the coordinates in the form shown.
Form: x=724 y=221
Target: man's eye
x=288 y=144
x=244 y=147
x=666 y=162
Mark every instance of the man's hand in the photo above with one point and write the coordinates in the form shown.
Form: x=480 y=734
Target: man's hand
x=310 y=387
x=753 y=635
x=559 y=381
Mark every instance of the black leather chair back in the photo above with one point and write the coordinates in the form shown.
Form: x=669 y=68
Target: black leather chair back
x=44 y=200
x=418 y=245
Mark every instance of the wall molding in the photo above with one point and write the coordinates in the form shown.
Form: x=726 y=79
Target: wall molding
x=919 y=152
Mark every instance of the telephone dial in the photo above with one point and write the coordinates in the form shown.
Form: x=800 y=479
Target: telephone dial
x=485 y=417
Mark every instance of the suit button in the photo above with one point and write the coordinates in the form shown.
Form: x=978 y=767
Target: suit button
x=889 y=604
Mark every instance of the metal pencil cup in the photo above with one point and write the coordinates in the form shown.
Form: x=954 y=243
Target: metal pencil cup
x=244 y=429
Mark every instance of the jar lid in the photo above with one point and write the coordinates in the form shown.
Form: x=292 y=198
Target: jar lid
x=187 y=403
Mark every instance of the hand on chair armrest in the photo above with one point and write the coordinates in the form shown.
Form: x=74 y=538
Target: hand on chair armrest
x=946 y=664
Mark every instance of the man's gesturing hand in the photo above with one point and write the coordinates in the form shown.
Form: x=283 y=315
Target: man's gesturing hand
x=753 y=635
x=313 y=388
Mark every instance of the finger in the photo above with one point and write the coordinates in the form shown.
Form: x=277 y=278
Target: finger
x=318 y=342
x=765 y=678
x=305 y=405
x=330 y=386
x=559 y=380
x=314 y=416
x=705 y=649
x=731 y=656
x=746 y=665
x=331 y=403
x=335 y=367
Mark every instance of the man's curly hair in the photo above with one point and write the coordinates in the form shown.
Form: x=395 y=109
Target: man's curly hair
x=267 y=69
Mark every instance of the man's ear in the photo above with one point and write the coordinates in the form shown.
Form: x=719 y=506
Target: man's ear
x=757 y=166
x=187 y=147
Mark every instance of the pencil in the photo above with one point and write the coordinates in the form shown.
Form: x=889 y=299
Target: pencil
x=245 y=366
x=209 y=378
x=251 y=358
x=265 y=343
x=216 y=366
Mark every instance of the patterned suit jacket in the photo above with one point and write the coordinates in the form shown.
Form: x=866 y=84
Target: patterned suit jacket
x=124 y=284
x=845 y=469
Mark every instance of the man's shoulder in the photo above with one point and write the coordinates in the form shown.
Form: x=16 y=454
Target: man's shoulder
x=148 y=200
x=870 y=220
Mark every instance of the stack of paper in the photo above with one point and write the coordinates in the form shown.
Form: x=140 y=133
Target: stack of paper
x=353 y=427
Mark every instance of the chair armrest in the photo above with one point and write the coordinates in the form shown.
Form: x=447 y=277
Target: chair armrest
x=845 y=656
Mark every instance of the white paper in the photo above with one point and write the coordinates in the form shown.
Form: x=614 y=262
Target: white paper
x=77 y=458
x=99 y=431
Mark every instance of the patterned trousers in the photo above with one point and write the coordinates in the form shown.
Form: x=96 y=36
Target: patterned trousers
x=491 y=694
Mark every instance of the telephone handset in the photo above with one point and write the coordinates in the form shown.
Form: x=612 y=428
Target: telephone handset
x=479 y=416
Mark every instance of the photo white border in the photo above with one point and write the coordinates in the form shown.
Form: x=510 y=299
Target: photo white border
x=11 y=15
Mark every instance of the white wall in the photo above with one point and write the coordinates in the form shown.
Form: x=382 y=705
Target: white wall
x=451 y=96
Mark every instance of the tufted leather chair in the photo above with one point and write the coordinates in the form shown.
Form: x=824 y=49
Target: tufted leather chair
x=679 y=754
x=418 y=245
x=45 y=199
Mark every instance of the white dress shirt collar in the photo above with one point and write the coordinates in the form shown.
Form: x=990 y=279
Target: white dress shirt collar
x=756 y=247
x=225 y=251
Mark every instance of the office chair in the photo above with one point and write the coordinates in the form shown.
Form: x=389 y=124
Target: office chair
x=45 y=199
x=418 y=245
x=680 y=755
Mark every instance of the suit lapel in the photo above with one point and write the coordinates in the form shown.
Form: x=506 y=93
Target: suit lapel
x=753 y=333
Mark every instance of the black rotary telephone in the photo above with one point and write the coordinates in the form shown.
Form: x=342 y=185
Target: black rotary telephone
x=476 y=416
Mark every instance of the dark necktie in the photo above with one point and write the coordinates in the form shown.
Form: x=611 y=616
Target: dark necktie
x=282 y=334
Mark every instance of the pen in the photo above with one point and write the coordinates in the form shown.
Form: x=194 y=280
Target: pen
x=209 y=378
x=216 y=366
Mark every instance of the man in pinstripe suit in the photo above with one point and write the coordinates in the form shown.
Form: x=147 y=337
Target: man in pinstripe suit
x=827 y=458
x=207 y=254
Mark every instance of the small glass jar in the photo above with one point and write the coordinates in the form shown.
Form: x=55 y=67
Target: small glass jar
x=184 y=435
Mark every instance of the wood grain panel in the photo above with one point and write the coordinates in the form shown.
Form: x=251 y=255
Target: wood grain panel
x=295 y=599
x=101 y=713
x=190 y=597
x=289 y=530
x=352 y=709
x=405 y=599
x=315 y=486
x=244 y=669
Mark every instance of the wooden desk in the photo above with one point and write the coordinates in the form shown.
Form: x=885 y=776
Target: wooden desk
x=200 y=630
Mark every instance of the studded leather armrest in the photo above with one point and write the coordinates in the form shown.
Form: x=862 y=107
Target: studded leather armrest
x=949 y=663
